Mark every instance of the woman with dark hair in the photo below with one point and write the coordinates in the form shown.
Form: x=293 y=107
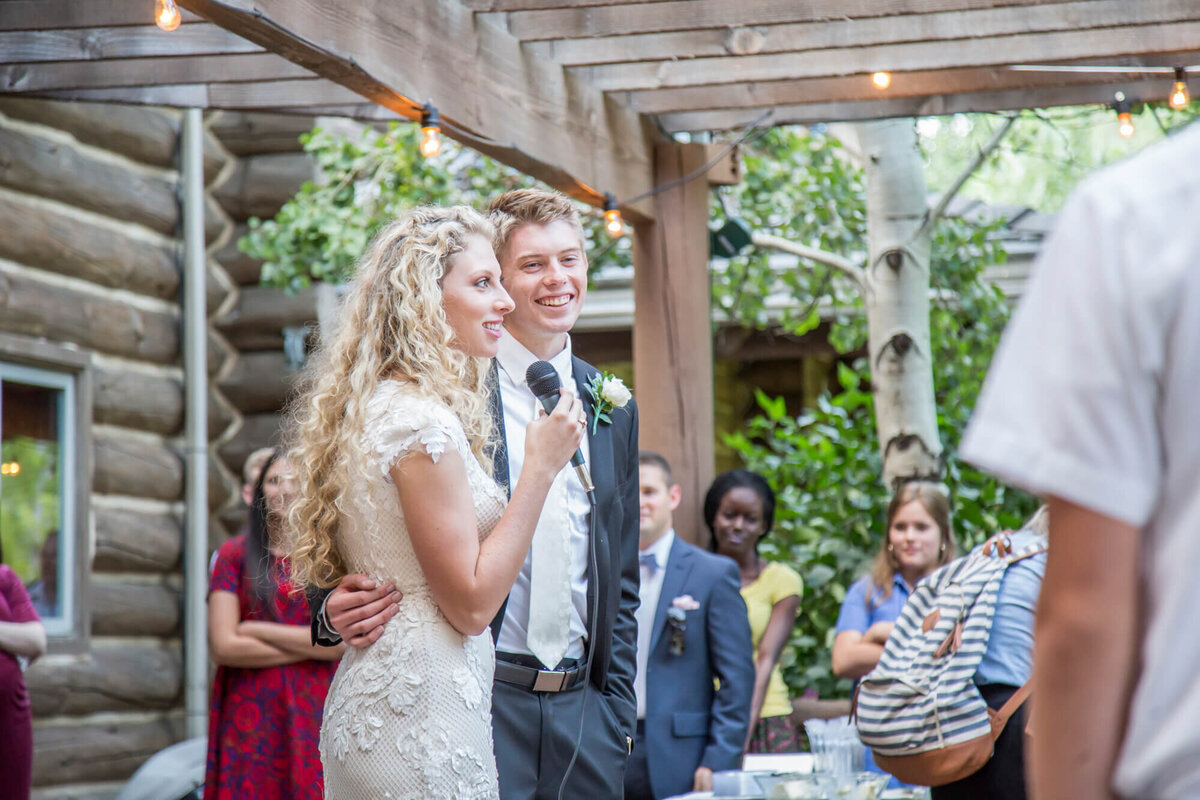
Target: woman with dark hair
x=271 y=682
x=739 y=510
x=22 y=636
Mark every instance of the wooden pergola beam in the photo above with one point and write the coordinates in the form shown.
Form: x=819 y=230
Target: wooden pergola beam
x=500 y=101
x=812 y=36
x=80 y=44
x=39 y=15
x=628 y=18
x=543 y=5
x=857 y=88
x=811 y=113
x=163 y=71
x=1111 y=43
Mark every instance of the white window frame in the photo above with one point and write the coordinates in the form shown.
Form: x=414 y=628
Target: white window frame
x=40 y=363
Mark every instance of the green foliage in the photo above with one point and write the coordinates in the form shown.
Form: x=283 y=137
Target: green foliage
x=31 y=506
x=825 y=462
x=1045 y=154
x=797 y=186
x=366 y=182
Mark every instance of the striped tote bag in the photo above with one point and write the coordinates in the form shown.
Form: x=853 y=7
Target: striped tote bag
x=919 y=709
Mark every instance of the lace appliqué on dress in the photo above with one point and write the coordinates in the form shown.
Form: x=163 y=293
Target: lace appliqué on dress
x=409 y=718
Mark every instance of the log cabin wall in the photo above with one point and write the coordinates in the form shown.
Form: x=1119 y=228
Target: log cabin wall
x=90 y=261
x=268 y=166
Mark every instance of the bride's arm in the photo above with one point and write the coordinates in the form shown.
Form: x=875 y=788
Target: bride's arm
x=470 y=579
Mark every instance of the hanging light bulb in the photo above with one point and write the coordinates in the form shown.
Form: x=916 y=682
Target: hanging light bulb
x=431 y=129
x=166 y=15
x=1124 y=117
x=11 y=468
x=1179 y=92
x=612 y=216
x=882 y=80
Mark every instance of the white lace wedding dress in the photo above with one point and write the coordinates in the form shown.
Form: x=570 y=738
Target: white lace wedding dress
x=409 y=717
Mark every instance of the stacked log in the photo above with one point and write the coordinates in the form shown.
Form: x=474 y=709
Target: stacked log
x=91 y=262
x=269 y=168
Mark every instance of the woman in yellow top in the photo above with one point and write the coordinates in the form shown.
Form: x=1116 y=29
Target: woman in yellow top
x=739 y=510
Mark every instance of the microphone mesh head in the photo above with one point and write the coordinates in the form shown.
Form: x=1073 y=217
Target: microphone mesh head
x=542 y=379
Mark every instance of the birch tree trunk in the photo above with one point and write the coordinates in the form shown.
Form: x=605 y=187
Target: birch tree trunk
x=896 y=297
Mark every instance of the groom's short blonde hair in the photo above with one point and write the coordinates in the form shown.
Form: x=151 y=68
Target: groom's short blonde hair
x=520 y=207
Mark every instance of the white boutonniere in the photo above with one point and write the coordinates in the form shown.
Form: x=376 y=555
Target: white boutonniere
x=608 y=393
x=677 y=623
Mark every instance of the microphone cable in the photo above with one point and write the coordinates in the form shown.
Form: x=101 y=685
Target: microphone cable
x=591 y=649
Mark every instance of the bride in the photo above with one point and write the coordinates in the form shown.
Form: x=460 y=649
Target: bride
x=391 y=458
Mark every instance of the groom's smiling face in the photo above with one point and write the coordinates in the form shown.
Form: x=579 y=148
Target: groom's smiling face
x=544 y=268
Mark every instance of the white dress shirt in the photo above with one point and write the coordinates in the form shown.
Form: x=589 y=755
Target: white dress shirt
x=520 y=406
x=649 y=592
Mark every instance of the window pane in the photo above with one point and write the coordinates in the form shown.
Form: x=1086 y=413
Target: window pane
x=30 y=489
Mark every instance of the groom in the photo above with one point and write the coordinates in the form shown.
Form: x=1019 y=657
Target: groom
x=542 y=642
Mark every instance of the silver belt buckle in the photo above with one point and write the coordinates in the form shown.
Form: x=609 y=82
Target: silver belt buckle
x=549 y=681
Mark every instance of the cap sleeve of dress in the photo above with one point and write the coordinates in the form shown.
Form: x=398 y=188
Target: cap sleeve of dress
x=400 y=420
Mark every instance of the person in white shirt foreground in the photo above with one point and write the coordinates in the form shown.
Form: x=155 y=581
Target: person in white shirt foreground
x=1092 y=402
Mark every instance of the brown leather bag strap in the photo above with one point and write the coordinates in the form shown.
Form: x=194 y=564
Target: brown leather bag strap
x=1011 y=705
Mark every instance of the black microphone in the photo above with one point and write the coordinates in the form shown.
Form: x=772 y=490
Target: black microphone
x=544 y=383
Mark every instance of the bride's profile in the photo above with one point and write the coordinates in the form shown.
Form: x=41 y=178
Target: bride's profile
x=390 y=446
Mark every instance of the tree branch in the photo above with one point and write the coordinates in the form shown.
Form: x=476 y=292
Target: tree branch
x=933 y=216
x=845 y=266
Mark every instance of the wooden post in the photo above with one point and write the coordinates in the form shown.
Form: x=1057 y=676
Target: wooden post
x=672 y=331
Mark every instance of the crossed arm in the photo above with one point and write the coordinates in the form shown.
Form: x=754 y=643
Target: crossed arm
x=255 y=644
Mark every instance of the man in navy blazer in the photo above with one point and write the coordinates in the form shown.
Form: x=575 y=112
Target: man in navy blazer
x=692 y=628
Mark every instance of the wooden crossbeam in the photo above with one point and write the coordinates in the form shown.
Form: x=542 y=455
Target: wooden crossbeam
x=543 y=5
x=38 y=15
x=522 y=110
x=858 y=88
x=80 y=44
x=811 y=113
x=1116 y=42
x=627 y=18
x=292 y=95
x=66 y=75
x=810 y=36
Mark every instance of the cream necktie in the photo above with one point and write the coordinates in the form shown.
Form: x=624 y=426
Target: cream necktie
x=550 y=578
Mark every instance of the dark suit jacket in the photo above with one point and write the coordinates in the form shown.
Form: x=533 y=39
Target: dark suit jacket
x=612 y=633
x=689 y=723
x=614 y=469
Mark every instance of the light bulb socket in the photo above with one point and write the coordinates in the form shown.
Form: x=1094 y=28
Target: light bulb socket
x=612 y=215
x=430 y=118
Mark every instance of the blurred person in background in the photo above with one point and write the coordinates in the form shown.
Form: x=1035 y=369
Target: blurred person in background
x=271 y=682
x=920 y=538
x=22 y=639
x=739 y=510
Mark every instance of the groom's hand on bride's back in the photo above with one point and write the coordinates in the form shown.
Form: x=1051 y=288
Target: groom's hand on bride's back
x=358 y=609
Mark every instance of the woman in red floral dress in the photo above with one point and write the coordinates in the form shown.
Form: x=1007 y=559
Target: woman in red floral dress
x=269 y=691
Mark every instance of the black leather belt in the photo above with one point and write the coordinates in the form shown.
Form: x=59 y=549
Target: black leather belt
x=510 y=670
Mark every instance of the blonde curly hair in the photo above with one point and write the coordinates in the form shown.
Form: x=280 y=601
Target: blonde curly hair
x=392 y=326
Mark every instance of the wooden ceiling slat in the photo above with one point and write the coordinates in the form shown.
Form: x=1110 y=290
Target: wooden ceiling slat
x=528 y=113
x=812 y=36
x=484 y=6
x=34 y=15
x=192 y=95
x=995 y=51
x=51 y=76
x=277 y=94
x=617 y=20
x=858 y=89
x=199 y=38
x=810 y=113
